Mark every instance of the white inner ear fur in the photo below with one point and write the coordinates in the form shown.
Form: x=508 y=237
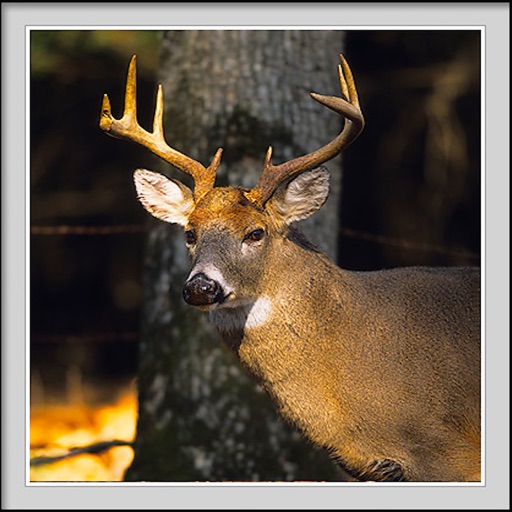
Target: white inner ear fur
x=165 y=199
x=303 y=196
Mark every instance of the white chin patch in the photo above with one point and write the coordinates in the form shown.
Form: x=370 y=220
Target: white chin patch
x=228 y=317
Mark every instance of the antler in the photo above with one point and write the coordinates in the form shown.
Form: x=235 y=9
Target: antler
x=128 y=128
x=273 y=175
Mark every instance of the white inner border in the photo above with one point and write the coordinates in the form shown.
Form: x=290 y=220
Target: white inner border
x=493 y=16
x=27 y=231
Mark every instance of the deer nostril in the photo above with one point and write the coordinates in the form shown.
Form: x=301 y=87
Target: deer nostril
x=202 y=291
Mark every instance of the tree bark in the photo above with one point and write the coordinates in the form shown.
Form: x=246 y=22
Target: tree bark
x=201 y=417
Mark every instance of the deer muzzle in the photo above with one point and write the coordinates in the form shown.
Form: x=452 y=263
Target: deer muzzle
x=200 y=290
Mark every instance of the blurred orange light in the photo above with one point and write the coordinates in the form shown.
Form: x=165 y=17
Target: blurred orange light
x=56 y=429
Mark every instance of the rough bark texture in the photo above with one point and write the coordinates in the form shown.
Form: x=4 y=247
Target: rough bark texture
x=201 y=417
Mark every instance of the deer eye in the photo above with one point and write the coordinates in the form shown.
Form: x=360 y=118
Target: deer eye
x=255 y=235
x=190 y=237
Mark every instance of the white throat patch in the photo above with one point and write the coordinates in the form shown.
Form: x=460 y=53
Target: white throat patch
x=259 y=313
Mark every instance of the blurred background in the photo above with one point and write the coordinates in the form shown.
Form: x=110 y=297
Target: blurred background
x=410 y=196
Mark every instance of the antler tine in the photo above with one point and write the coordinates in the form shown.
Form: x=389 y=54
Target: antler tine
x=128 y=128
x=273 y=175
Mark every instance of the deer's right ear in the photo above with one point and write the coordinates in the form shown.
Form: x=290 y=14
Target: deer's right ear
x=165 y=199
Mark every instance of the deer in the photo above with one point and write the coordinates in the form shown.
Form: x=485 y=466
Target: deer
x=381 y=368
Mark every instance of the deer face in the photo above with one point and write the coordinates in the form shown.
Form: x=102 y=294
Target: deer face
x=229 y=236
x=229 y=231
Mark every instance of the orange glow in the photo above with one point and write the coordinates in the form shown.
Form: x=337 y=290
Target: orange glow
x=55 y=429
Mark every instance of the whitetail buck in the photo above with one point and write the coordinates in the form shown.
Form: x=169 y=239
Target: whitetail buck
x=381 y=368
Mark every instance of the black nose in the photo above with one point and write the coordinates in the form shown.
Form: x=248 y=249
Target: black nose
x=200 y=290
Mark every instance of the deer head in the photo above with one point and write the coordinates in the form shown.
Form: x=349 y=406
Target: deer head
x=231 y=228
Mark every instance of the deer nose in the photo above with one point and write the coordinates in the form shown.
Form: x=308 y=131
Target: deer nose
x=200 y=290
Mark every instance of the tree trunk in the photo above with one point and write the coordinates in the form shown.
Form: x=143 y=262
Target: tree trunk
x=201 y=418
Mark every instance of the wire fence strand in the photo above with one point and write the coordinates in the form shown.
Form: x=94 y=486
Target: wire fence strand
x=106 y=337
x=406 y=244
x=347 y=232
x=87 y=230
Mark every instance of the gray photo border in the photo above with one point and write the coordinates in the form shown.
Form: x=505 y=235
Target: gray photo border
x=16 y=17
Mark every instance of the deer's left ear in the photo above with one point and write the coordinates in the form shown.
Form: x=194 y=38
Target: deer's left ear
x=167 y=200
x=301 y=197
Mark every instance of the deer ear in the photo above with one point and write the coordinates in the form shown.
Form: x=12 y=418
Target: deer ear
x=165 y=199
x=302 y=196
